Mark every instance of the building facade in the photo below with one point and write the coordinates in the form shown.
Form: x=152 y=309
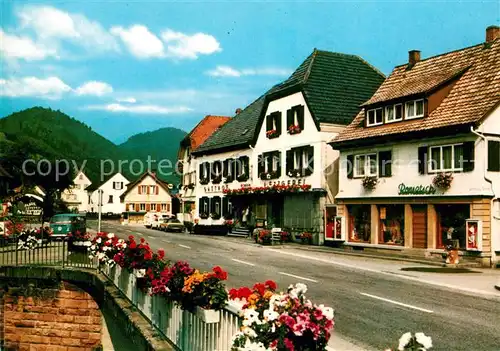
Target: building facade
x=111 y=190
x=271 y=166
x=146 y=194
x=420 y=164
x=75 y=197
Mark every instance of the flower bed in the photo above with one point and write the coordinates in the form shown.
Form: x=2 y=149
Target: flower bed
x=274 y=189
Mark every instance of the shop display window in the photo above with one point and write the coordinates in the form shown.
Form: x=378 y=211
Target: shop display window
x=359 y=223
x=451 y=225
x=391 y=225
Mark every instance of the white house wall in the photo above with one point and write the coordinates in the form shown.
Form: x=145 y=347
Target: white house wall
x=134 y=197
x=189 y=167
x=76 y=196
x=405 y=171
x=109 y=207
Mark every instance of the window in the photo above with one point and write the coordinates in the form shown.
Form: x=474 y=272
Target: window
x=142 y=207
x=80 y=177
x=392 y=221
x=110 y=199
x=374 y=117
x=414 y=109
x=295 y=119
x=493 y=156
x=359 y=223
x=143 y=189
x=446 y=158
x=269 y=166
x=163 y=207
x=152 y=189
x=393 y=113
x=365 y=165
x=118 y=185
x=273 y=125
x=451 y=225
x=300 y=161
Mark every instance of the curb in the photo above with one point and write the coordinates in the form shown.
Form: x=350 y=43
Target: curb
x=497 y=286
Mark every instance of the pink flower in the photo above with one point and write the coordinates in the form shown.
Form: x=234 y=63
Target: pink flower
x=289 y=345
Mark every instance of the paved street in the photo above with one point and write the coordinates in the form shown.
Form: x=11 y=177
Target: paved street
x=373 y=304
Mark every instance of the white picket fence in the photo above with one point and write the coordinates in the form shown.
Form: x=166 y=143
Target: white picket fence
x=184 y=329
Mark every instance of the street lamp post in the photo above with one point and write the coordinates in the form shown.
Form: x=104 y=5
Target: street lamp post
x=99 y=209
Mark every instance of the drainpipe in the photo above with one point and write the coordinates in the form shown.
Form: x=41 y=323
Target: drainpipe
x=495 y=196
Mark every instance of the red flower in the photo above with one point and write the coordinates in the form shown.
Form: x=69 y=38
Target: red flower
x=143 y=240
x=219 y=273
x=271 y=285
x=132 y=244
x=289 y=344
x=261 y=288
x=148 y=256
x=130 y=237
x=161 y=254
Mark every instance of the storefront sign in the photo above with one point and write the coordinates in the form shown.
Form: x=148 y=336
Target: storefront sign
x=219 y=188
x=416 y=190
x=299 y=181
x=31 y=209
x=473 y=229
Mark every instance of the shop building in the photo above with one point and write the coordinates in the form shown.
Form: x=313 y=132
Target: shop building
x=197 y=136
x=420 y=164
x=147 y=194
x=271 y=165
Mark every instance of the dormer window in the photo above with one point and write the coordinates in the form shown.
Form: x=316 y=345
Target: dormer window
x=414 y=109
x=295 y=119
x=374 y=117
x=273 y=125
x=394 y=113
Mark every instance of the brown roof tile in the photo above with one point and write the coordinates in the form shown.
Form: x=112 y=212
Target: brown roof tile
x=205 y=129
x=476 y=92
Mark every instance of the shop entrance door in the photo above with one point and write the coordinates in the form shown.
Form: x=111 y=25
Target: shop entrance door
x=275 y=212
x=419 y=226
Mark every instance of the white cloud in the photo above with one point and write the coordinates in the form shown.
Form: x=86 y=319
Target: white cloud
x=52 y=25
x=49 y=88
x=141 y=109
x=94 y=88
x=180 y=45
x=227 y=71
x=21 y=47
x=140 y=41
x=129 y=100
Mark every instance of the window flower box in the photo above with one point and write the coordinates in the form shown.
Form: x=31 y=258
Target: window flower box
x=296 y=173
x=369 y=183
x=215 y=215
x=204 y=181
x=203 y=215
x=268 y=175
x=271 y=134
x=443 y=180
x=217 y=178
x=242 y=177
x=207 y=316
x=294 y=129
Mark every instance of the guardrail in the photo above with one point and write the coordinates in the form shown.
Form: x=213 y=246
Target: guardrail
x=184 y=329
x=44 y=252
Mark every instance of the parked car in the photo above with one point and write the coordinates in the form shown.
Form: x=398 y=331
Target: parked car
x=149 y=218
x=158 y=219
x=63 y=224
x=172 y=225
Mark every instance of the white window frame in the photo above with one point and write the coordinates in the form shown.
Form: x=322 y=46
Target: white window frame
x=266 y=163
x=393 y=108
x=414 y=102
x=367 y=167
x=441 y=160
x=205 y=207
x=374 y=117
x=276 y=161
x=152 y=189
x=229 y=168
x=297 y=154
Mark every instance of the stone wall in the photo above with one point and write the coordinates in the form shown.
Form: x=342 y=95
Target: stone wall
x=55 y=318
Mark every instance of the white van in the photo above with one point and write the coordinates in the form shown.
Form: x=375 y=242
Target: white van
x=149 y=219
x=159 y=218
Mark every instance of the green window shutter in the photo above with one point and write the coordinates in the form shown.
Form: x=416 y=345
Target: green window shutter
x=225 y=166
x=310 y=160
x=422 y=159
x=260 y=165
x=277 y=117
x=277 y=155
x=225 y=206
x=201 y=172
x=269 y=123
x=300 y=116
x=209 y=167
x=493 y=156
x=289 y=161
x=468 y=164
x=385 y=164
x=289 y=118
x=350 y=166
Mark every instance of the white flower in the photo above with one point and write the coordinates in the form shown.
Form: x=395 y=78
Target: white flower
x=249 y=332
x=301 y=288
x=271 y=315
x=327 y=311
x=111 y=235
x=268 y=176
x=98 y=240
x=100 y=256
x=424 y=340
x=404 y=340
x=86 y=243
x=140 y=273
x=91 y=257
x=92 y=247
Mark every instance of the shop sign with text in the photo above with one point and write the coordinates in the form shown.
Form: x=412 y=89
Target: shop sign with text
x=299 y=181
x=416 y=189
x=219 y=188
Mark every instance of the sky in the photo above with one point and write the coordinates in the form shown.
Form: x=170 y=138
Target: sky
x=125 y=67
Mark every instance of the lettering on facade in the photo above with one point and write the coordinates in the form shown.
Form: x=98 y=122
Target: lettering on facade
x=416 y=190
x=31 y=209
x=299 y=181
x=220 y=188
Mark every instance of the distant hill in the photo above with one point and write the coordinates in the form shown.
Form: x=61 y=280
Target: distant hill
x=55 y=135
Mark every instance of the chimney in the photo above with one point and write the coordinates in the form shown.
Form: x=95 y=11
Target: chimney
x=492 y=33
x=413 y=57
x=238 y=110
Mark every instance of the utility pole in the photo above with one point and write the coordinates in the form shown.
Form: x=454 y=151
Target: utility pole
x=99 y=209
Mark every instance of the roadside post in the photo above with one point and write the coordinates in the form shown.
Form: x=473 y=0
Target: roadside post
x=99 y=209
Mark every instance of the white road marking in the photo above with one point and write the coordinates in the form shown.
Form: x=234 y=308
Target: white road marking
x=396 y=275
x=151 y=237
x=166 y=241
x=397 y=303
x=298 y=277
x=184 y=246
x=247 y=263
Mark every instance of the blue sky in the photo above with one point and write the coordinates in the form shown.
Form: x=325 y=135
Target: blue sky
x=125 y=67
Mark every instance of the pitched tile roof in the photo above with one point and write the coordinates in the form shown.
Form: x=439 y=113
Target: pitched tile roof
x=204 y=129
x=160 y=182
x=477 y=90
x=334 y=86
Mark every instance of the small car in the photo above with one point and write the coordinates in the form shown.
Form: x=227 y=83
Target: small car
x=172 y=225
x=65 y=223
x=155 y=224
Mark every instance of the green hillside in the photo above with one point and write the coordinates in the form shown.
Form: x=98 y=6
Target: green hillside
x=55 y=135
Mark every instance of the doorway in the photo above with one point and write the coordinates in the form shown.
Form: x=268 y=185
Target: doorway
x=419 y=226
x=275 y=212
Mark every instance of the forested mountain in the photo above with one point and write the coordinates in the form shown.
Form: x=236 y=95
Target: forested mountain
x=55 y=135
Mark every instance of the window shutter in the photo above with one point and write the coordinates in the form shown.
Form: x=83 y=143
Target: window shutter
x=289 y=118
x=350 y=166
x=225 y=206
x=493 y=156
x=468 y=164
x=211 y=205
x=385 y=164
x=260 y=165
x=232 y=164
x=246 y=165
x=158 y=207
x=157 y=188
x=148 y=207
x=209 y=172
x=422 y=159
x=147 y=191
x=310 y=160
x=225 y=165
x=300 y=116
x=289 y=161
x=277 y=116
x=200 y=205
x=139 y=190
x=269 y=122
x=201 y=171
x=278 y=156
x=136 y=207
